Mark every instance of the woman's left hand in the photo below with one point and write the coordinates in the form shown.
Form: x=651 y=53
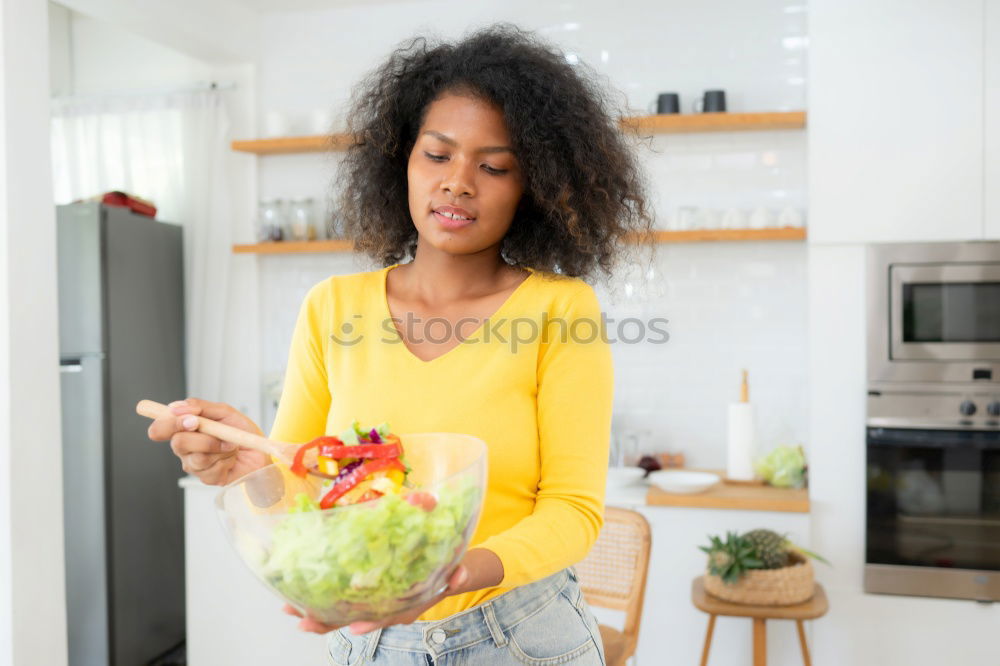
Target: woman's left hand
x=478 y=569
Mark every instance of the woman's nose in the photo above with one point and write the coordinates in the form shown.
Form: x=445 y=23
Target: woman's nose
x=459 y=180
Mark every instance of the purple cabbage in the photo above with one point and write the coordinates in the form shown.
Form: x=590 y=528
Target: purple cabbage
x=346 y=469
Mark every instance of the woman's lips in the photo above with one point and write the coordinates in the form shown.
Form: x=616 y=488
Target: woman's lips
x=451 y=224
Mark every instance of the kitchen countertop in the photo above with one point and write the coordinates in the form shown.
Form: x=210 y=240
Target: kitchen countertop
x=735 y=496
x=738 y=496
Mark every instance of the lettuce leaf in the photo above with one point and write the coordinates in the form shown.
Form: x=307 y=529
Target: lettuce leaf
x=368 y=553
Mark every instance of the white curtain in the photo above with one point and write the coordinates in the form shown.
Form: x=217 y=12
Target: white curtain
x=170 y=149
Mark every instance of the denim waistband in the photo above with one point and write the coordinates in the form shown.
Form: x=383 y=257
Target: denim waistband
x=489 y=620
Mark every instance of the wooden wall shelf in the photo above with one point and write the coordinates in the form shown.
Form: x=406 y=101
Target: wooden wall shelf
x=699 y=236
x=295 y=247
x=294 y=144
x=722 y=235
x=657 y=124
x=717 y=122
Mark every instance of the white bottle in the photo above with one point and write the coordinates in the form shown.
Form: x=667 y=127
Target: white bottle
x=740 y=442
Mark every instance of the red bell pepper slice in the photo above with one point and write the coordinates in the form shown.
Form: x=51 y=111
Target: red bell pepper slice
x=298 y=463
x=356 y=476
x=338 y=452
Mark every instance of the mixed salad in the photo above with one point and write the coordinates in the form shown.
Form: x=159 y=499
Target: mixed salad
x=375 y=553
x=358 y=466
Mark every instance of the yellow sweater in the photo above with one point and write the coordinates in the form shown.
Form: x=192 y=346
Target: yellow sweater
x=542 y=403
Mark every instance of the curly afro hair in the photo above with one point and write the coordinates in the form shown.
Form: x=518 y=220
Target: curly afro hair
x=584 y=192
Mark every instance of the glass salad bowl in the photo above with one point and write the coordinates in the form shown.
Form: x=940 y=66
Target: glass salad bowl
x=365 y=561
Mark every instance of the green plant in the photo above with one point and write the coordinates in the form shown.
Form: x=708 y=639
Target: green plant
x=756 y=549
x=729 y=559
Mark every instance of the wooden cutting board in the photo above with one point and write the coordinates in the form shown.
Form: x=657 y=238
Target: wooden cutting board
x=735 y=496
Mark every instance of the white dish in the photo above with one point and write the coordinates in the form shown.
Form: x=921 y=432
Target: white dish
x=623 y=477
x=683 y=481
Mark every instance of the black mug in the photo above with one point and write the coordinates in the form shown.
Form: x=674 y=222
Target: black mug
x=668 y=103
x=714 y=101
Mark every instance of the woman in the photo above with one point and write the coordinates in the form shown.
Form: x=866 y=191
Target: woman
x=499 y=169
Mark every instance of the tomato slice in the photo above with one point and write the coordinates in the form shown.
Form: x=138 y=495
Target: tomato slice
x=356 y=476
x=422 y=499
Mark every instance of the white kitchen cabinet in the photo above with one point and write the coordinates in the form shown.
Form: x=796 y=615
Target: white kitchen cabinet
x=896 y=120
x=232 y=619
x=992 y=125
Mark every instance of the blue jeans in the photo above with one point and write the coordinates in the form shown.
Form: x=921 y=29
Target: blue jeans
x=545 y=623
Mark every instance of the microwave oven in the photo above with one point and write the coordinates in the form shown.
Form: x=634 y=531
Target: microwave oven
x=934 y=312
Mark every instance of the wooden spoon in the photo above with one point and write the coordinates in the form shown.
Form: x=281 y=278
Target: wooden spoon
x=281 y=450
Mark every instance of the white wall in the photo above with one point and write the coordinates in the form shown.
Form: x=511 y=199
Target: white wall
x=221 y=31
x=109 y=59
x=32 y=599
x=60 y=46
x=731 y=305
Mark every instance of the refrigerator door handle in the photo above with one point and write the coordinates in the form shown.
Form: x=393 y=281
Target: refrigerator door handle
x=71 y=365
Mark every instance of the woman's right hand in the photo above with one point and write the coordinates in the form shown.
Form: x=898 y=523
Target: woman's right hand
x=214 y=461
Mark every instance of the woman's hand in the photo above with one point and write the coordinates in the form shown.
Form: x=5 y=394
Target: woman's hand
x=478 y=569
x=215 y=462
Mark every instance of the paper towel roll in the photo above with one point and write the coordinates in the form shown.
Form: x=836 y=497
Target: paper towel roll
x=740 y=445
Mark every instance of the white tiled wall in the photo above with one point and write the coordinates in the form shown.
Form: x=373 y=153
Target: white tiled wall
x=741 y=170
x=754 y=49
x=730 y=305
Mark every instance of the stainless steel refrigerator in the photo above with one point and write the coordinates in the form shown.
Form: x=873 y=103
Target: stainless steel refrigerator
x=121 y=338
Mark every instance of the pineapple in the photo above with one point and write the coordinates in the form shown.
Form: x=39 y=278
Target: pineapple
x=730 y=558
x=771 y=548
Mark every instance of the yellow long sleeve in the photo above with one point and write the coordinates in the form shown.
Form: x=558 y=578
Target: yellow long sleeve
x=575 y=383
x=534 y=382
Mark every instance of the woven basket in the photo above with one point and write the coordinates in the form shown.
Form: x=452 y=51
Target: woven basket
x=767 y=587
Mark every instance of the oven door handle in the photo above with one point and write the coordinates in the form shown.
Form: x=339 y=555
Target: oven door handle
x=930 y=424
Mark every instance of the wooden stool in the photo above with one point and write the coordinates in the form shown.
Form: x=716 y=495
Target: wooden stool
x=809 y=610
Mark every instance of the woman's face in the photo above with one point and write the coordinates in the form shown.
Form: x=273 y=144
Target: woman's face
x=464 y=180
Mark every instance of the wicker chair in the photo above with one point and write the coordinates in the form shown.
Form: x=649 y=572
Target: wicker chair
x=614 y=576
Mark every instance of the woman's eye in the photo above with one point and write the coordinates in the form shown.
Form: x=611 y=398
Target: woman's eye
x=493 y=171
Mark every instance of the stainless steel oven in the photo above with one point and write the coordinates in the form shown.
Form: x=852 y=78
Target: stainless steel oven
x=933 y=496
x=932 y=507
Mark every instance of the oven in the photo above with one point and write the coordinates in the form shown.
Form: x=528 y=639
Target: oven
x=932 y=510
x=933 y=496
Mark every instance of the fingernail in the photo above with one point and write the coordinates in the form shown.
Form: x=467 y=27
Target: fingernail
x=463 y=577
x=228 y=446
x=177 y=403
x=190 y=422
